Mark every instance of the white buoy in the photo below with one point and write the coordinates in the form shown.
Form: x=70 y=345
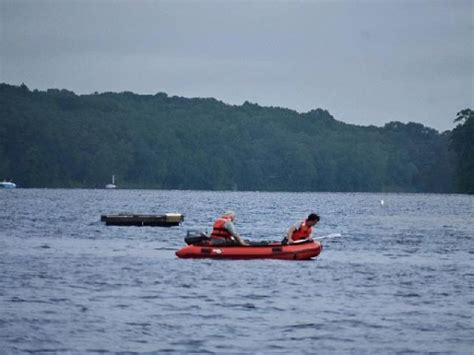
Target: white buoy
x=381 y=202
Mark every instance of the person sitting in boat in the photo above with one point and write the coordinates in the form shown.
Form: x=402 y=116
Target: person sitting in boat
x=303 y=230
x=224 y=229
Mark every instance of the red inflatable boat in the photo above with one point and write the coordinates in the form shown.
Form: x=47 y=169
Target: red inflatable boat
x=256 y=250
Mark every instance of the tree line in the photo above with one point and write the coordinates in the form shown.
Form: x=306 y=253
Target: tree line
x=462 y=143
x=56 y=138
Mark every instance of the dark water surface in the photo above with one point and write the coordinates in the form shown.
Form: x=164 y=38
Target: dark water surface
x=400 y=279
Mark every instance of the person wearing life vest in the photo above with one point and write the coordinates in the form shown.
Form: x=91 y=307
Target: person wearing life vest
x=302 y=230
x=224 y=229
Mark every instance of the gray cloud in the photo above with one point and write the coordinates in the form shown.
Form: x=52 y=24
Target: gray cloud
x=367 y=62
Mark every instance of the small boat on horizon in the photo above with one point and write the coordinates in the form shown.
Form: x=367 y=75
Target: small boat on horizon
x=112 y=185
x=7 y=185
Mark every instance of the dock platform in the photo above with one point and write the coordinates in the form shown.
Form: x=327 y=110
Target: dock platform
x=127 y=219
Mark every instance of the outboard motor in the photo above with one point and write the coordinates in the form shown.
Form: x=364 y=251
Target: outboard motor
x=194 y=237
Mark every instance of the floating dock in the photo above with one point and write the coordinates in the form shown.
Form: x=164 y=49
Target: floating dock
x=126 y=219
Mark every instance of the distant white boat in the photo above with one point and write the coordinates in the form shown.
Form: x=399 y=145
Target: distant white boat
x=112 y=185
x=7 y=185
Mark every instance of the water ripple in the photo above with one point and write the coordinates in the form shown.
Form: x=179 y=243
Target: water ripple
x=399 y=280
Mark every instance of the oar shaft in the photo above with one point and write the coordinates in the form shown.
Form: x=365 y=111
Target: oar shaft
x=333 y=235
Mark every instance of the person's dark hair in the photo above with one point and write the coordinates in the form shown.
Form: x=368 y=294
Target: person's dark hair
x=313 y=217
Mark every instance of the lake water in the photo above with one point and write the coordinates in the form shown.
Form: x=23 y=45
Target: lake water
x=400 y=279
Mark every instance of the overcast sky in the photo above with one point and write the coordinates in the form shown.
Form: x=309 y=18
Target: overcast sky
x=366 y=62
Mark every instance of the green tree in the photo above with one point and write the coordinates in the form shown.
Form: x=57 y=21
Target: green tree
x=462 y=142
x=59 y=139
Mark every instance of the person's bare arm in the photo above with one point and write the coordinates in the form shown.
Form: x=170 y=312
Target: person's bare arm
x=290 y=234
x=231 y=228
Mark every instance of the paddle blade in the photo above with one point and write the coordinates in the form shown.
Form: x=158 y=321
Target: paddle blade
x=329 y=236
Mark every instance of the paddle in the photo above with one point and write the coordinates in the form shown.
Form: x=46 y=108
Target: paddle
x=329 y=236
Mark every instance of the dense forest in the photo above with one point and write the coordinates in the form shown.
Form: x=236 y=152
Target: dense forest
x=462 y=142
x=56 y=138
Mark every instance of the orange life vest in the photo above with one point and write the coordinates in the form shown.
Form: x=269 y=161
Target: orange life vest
x=218 y=230
x=303 y=232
